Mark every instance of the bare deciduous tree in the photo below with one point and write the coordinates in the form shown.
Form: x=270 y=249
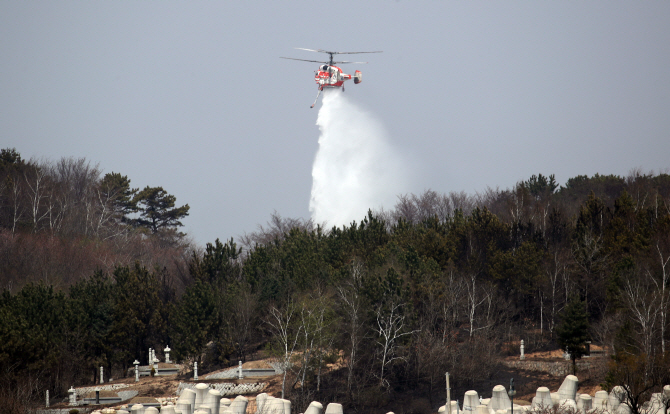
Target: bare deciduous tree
x=390 y=328
x=282 y=325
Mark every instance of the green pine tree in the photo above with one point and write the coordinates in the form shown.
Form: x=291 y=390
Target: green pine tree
x=573 y=331
x=158 y=211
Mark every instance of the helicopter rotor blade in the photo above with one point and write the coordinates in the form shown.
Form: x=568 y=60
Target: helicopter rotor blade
x=339 y=63
x=304 y=60
x=354 y=53
x=310 y=50
x=335 y=53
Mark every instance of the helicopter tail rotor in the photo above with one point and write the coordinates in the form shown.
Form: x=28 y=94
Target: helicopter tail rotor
x=358 y=77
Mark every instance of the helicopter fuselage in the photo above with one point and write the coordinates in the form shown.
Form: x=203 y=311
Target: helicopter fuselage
x=329 y=76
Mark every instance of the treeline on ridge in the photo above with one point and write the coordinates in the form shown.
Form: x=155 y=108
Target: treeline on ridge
x=363 y=312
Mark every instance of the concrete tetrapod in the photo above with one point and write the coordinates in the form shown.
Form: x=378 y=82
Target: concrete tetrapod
x=212 y=400
x=623 y=409
x=168 y=409
x=184 y=406
x=567 y=403
x=481 y=409
x=137 y=409
x=224 y=404
x=584 y=403
x=151 y=410
x=204 y=409
x=188 y=395
x=200 y=391
x=443 y=409
x=315 y=407
x=287 y=406
x=273 y=406
x=542 y=399
x=261 y=400
x=655 y=404
x=600 y=400
x=568 y=390
x=470 y=400
x=499 y=399
x=615 y=398
x=334 y=408
x=239 y=405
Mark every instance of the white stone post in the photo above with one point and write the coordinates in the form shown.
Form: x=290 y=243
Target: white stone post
x=167 y=354
x=102 y=378
x=150 y=357
x=239 y=370
x=447 y=406
x=195 y=371
x=522 y=349
x=137 y=370
x=47 y=404
x=72 y=393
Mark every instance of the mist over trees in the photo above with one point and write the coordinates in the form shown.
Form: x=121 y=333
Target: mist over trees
x=95 y=272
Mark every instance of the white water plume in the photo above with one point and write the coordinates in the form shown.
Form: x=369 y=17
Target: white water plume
x=355 y=169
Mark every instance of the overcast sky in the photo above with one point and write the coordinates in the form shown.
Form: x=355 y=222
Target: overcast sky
x=192 y=96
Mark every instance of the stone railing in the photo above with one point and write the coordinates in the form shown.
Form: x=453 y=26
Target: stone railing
x=227 y=388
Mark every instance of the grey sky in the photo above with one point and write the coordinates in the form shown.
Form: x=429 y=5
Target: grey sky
x=191 y=96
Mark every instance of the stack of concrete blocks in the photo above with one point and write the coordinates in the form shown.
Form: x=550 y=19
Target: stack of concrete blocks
x=334 y=408
x=542 y=399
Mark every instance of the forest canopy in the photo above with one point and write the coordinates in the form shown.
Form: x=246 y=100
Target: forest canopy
x=94 y=272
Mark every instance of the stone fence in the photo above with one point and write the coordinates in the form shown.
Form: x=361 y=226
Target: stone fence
x=555 y=368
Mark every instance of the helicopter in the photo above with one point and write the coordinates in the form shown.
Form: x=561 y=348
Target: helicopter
x=330 y=76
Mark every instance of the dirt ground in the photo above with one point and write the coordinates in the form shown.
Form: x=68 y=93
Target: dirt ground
x=526 y=382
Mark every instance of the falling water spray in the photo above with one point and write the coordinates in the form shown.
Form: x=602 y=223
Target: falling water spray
x=355 y=168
